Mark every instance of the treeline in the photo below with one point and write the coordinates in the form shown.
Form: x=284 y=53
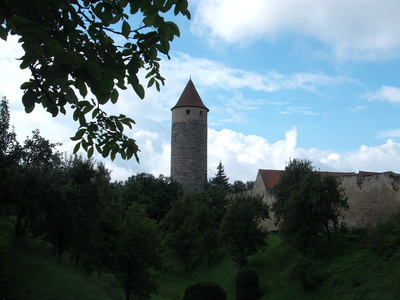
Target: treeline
x=129 y=228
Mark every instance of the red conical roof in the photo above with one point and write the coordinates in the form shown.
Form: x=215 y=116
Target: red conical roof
x=190 y=97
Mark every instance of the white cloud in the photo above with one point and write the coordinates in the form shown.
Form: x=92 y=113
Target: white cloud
x=379 y=158
x=356 y=29
x=242 y=155
x=389 y=133
x=385 y=93
x=215 y=74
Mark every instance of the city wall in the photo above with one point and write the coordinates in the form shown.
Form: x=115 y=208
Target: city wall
x=372 y=198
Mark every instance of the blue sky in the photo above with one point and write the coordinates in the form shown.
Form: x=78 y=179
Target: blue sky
x=313 y=79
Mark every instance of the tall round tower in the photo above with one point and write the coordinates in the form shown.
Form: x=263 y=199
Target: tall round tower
x=189 y=140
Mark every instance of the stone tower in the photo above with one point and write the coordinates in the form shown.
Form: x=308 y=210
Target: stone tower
x=189 y=140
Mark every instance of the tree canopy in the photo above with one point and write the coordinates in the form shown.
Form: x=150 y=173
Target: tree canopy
x=71 y=50
x=241 y=232
x=306 y=204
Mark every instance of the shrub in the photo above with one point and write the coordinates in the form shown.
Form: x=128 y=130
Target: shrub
x=203 y=291
x=385 y=237
x=247 y=284
x=304 y=271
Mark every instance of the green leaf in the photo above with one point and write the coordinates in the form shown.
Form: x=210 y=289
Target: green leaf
x=129 y=153
x=71 y=97
x=20 y=20
x=102 y=97
x=80 y=84
x=29 y=99
x=94 y=69
x=126 y=29
x=174 y=28
x=138 y=89
x=113 y=154
x=76 y=148
x=79 y=134
x=90 y=152
x=87 y=108
x=127 y=122
x=119 y=126
x=151 y=82
x=26 y=85
x=159 y=3
x=76 y=114
x=95 y=112
x=82 y=119
x=3 y=33
x=114 y=96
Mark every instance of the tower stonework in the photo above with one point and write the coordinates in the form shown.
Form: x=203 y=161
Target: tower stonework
x=189 y=140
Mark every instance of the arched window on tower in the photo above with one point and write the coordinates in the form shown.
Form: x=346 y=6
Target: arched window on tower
x=188 y=112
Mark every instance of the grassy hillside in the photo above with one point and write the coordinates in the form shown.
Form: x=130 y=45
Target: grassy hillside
x=39 y=275
x=347 y=270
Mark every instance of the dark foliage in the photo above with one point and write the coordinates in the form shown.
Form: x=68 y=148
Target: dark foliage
x=204 y=291
x=385 y=237
x=71 y=49
x=240 y=231
x=220 y=178
x=305 y=271
x=247 y=284
x=306 y=205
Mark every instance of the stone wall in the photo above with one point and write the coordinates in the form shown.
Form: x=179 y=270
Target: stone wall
x=372 y=198
x=189 y=148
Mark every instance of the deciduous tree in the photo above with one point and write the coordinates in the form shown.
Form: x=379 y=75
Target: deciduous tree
x=71 y=49
x=305 y=204
x=241 y=232
x=137 y=254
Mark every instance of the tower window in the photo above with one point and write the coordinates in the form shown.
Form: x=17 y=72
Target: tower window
x=201 y=113
x=188 y=112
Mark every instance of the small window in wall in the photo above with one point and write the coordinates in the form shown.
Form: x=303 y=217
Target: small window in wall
x=188 y=112
x=201 y=113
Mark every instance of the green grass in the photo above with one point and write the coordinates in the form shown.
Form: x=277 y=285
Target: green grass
x=348 y=270
x=41 y=276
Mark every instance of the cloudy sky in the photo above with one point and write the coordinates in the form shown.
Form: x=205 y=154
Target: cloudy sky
x=311 y=79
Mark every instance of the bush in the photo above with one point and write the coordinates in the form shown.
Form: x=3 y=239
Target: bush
x=303 y=270
x=385 y=237
x=204 y=291
x=247 y=284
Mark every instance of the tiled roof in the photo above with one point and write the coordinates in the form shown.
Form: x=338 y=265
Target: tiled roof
x=270 y=177
x=190 y=97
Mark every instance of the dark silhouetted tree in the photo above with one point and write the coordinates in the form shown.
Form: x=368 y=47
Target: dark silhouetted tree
x=241 y=232
x=220 y=178
x=137 y=254
x=70 y=50
x=306 y=204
